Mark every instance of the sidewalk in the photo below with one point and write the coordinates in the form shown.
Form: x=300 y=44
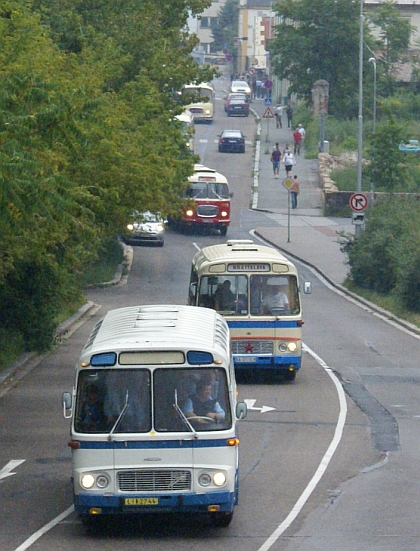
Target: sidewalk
x=304 y=233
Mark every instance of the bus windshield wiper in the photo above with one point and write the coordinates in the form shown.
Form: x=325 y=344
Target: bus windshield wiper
x=120 y=416
x=183 y=416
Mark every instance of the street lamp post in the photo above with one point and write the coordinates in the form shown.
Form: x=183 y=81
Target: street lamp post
x=373 y=61
x=372 y=184
x=360 y=118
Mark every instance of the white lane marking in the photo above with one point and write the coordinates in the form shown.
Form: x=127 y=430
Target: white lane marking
x=7 y=469
x=32 y=539
x=338 y=433
x=250 y=405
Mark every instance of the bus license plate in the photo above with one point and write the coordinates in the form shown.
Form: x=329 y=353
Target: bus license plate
x=135 y=501
x=245 y=359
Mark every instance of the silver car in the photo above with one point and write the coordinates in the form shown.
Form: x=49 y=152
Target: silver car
x=145 y=227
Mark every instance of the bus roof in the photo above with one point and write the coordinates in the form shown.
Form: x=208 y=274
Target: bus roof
x=201 y=171
x=159 y=327
x=241 y=251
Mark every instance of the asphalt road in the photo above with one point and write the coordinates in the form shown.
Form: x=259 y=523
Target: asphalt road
x=311 y=472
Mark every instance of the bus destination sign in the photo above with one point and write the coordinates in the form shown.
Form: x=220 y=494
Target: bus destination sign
x=248 y=267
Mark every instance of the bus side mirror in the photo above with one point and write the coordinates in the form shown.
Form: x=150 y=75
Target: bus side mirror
x=231 y=194
x=307 y=288
x=67 y=403
x=241 y=410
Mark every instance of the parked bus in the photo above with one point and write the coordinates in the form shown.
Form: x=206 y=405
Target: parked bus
x=256 y=289
x=142 y=439
x=203 y=101
x=209 y=191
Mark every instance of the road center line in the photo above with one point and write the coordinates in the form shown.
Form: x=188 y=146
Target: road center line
x=338 y=433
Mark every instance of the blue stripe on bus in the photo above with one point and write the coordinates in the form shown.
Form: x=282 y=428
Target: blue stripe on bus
x=128 y=444
x=262 y=324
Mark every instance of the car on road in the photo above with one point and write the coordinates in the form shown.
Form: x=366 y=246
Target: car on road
x=412 y=146
x=231 y=96
x=241 y=86
x=231 y=141
x=145 y=227
x=238 y=106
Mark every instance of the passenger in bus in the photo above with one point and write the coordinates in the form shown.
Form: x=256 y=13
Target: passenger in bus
x=275 y=300
x=201 y=407
x=131 y=389
x=224 y=299
x=92 y=418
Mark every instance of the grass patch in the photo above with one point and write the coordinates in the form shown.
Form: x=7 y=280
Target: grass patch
x=103 y=270
x=387 y=302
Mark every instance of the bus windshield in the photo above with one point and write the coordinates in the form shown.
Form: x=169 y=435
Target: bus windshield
x=255 y=294
x=116 y=401
x=208 y=190
x=203 y=92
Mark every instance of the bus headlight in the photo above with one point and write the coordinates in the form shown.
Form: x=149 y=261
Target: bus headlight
x=102 y=481
x=189 y=212
x=287 y=347
x=219 y=478
x=87 y=481
x=204 y=479
x=130 y=227
x=223 y=214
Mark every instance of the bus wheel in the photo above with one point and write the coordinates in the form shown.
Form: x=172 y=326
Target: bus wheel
x=221 y=520
x=223 y=230
x=290 y=376
x=93 y=524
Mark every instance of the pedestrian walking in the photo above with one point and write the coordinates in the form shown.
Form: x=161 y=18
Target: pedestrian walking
x=302 y=131
x=258 y=85
x=275 y=159
x=297 y=140
x=294 y=191
x=278 y=112
x=289 y=161
x=289 y=113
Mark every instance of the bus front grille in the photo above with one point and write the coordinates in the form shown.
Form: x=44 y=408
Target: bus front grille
x=147 y=481
x=252 y=347
x=207 y=210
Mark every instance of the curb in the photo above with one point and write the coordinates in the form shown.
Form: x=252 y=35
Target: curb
x=374 y=307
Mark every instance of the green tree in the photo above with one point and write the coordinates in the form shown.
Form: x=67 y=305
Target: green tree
x=319 y=39
x=77 y=155
x=389 y=167
x=226 y=28
x=394 y=37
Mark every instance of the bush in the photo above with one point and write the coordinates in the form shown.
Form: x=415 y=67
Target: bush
x=385 y=257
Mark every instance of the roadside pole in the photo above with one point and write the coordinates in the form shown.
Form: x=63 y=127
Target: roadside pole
x=268 y=114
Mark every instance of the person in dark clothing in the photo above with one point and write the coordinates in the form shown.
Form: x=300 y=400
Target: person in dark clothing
x=289 y=114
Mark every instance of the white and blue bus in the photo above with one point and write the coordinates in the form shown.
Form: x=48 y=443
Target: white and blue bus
x=154 y=416
x=256 y=289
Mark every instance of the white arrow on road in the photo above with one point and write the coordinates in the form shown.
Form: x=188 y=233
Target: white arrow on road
x=250 y=405
x=6 y=470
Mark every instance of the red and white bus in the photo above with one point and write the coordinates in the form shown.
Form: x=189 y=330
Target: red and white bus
x=209 y=190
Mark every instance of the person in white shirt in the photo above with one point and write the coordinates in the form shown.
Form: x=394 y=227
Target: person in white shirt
x=302 y=131
x=289 y=161
x=275 y=301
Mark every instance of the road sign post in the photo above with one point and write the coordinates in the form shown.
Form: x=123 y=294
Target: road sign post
x=268 y=114
x=358 y=203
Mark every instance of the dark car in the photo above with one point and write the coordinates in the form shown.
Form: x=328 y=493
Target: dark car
x=232 y=96
x=238 y=106
x=232 y=141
